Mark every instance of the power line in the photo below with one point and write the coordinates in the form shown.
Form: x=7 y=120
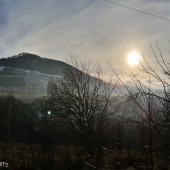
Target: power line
x=143 y=12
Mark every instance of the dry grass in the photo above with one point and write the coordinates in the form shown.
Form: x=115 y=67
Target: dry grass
x=25 y=155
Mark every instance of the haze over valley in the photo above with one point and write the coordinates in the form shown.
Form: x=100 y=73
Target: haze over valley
x=27 y=75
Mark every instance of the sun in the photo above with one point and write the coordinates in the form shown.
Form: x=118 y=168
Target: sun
x=133 y=58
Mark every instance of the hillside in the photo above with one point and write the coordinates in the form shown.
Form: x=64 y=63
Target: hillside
x=28 y=74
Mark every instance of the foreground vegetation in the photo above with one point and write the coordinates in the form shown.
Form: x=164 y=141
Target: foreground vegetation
x=26 y=156
x=30 y=138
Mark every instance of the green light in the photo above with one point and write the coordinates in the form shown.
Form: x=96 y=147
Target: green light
x=49 y=112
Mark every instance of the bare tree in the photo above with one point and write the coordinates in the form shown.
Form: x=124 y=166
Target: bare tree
x=153 y=97
x=83 y=101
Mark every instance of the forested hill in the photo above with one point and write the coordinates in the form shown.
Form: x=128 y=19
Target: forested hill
x=33 y=62
x=27 y=75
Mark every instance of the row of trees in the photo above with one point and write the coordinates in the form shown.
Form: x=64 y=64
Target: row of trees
x=32 y=137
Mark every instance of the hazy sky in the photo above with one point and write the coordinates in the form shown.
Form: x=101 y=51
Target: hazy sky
x=88 y=29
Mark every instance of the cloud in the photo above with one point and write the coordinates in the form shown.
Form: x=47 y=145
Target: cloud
x=91 y=28
x=38 y=17
x=3 y=14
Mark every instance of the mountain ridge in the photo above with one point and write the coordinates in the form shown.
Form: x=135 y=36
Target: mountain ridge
x=27 y=75
x=28 y=61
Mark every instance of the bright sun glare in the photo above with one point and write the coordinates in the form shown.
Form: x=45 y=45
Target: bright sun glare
x=133 y=58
